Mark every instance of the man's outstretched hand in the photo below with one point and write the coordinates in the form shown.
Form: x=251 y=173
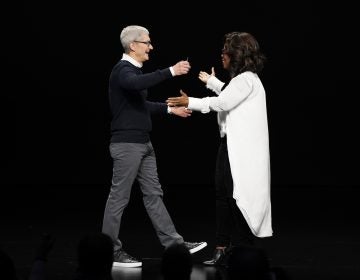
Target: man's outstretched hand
x=181 y=68
x=181 y=111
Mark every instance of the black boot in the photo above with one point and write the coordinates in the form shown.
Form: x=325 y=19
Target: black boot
x=219 y=257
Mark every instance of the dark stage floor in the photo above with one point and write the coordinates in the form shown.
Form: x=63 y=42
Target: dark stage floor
x=316 y=229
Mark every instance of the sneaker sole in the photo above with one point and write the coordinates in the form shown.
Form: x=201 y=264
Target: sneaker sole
x=210 y=263
x=198 y=248
x=135 y=264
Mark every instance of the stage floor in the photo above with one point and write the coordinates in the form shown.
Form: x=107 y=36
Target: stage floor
x=316 y=229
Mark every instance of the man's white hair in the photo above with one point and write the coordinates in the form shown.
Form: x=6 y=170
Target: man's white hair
x=130 y=34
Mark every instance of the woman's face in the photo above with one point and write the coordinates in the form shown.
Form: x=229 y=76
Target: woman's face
x=225 y=58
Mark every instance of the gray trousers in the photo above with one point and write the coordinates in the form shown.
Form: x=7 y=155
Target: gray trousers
x=137 y=161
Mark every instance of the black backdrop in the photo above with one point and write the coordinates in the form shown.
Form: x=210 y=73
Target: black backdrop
x=61 y=55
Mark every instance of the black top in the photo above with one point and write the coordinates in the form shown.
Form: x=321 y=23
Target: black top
x=131 y=112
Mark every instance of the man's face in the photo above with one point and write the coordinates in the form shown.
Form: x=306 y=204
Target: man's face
x=142 y=48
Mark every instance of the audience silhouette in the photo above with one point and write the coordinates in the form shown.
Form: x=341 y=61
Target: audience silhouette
x=7 y=267
x=95 y=262
x=248 y=263
x=176 y=263
x=38 y=270
x=95 y=257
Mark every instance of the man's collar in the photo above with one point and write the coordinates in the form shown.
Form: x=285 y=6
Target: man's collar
x=131 y=60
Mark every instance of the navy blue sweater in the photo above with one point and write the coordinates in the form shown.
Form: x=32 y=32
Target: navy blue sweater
x=131 y=112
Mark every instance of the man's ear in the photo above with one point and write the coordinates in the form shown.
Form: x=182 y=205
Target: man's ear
x=131 y=46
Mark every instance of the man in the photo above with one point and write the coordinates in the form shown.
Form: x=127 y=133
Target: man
x=131 y=149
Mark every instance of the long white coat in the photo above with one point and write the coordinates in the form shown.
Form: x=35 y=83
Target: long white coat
x=242 y=115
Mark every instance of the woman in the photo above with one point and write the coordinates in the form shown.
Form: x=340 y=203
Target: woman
x=242 y=179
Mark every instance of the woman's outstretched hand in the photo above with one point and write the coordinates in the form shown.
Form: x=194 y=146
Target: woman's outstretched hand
x=204 y=77
x=182 y=100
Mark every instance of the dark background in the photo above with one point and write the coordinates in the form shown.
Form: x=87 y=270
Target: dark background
x=56 y=60
x=61 y=54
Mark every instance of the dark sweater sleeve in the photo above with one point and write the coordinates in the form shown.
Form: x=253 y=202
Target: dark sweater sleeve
x=157 y=108
x=131 y=80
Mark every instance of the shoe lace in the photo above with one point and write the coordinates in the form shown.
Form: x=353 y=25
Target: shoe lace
x=191 y=244
x=124 y=254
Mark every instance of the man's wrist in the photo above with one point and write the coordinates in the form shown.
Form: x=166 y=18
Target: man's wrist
x=172 y=71
x=169 y=110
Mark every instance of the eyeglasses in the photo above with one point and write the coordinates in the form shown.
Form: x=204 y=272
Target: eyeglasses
x=148 y=43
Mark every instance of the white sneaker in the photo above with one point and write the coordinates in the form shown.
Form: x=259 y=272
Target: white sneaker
x=123 y=259
x=194 y=247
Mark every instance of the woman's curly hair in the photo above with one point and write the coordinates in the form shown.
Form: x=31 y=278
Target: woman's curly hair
x=244 y=52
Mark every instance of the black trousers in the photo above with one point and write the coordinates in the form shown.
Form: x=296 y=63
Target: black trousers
x=231 y=227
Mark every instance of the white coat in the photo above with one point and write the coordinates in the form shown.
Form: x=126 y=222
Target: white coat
x=242 y=115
